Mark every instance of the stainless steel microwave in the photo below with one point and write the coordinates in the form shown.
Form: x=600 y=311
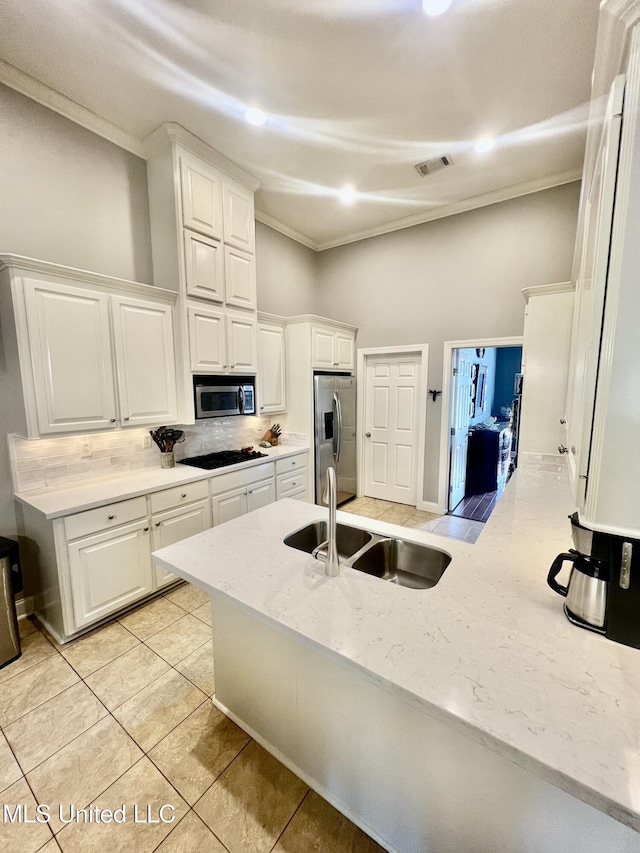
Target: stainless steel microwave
x=221 y=396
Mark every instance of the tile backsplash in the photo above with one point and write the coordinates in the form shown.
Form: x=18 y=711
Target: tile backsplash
x=38 y=464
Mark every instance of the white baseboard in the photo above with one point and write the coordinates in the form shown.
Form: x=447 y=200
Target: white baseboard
x=24 y=607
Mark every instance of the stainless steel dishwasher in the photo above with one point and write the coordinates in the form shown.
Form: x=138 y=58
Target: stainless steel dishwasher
x=10 y=583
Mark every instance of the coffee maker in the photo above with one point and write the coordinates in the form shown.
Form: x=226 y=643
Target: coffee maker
x=603 y=591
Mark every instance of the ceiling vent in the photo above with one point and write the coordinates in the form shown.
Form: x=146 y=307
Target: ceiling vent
x=431 y=166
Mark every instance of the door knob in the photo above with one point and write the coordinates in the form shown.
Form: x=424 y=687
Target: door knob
x=368 y=434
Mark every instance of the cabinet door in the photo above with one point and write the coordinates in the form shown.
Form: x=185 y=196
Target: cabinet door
x=172 y=526
x=204 y=266
x=240 y=278
x=201 y=196
x=344 y=346
x=229 y=505
x=261 y=494
x=109 y=571
x=145 y=357
x=71 y=357
x=271 y=370
x=322 y=345
x=207 y=341
x=239 y=223
x=242 y=344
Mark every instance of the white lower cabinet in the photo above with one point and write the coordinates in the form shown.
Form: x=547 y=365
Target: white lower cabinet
x=176 y=524
x=261 y=494
x=229 y=505
x=109 y=571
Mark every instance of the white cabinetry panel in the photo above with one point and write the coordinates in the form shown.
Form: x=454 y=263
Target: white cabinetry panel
x=201 y=196
x=322 y=348
x=271 y=371
x=70 y=345
x=242 y=343
x=145 y=358
x=344 y=346
x=207 y=340
x=239 y=225
x=240 y=278
x=204 y=267
x=229 y=505
x=261 y=494
x=175 y=525
x=109 y=571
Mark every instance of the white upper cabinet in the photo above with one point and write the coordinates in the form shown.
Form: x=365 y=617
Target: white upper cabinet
x=70 y=343
x=94 y=352
x=204 y=266
x=332 y=348
x=271 y=369
x=242 y=343
x=145 y=359
x=201 y=187
x=207 y=340
x=239 y=217
x=240 y=275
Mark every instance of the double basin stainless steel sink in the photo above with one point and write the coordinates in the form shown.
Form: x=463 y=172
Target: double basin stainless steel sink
x=395 y=560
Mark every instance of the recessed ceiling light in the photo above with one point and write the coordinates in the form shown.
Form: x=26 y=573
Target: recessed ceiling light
x=255 y=116
x=436 y=7
x=347 y=194
x=486 y=143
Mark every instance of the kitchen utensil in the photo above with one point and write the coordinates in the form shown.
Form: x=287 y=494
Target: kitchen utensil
x=586 y=591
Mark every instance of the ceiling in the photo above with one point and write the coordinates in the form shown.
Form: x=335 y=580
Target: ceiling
x=356 y=91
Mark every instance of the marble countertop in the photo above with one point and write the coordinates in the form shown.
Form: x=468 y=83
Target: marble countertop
x=55 y=503
x=488 y=650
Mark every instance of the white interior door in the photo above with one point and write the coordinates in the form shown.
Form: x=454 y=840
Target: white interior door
x=461 y=386
x=391 y=427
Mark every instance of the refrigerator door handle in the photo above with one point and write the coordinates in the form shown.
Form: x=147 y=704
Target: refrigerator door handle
x=337 y=433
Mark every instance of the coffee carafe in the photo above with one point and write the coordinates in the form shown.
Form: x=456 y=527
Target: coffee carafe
x=586 y=590
x=603 y=590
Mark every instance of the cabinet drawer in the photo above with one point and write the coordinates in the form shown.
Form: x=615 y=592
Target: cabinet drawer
x=291 y=463
x=171 y=498
x=236 y=479
x=105 y=517
x=286 y=484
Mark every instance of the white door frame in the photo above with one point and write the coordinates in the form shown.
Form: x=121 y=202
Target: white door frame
x=422 y=352
x=447 y=366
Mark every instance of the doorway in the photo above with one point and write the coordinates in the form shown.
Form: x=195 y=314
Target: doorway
x=481 y=424
x=392 y=391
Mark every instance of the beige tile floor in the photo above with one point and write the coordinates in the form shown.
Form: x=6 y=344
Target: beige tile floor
x=123 y=716
x=451 y=526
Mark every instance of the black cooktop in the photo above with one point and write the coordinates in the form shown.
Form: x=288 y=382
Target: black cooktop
x=223 y=457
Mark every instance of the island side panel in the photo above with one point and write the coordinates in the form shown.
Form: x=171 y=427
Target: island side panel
x=409 y=781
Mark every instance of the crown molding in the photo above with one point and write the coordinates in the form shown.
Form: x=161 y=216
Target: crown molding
x=274 y=223
x=21 y=264
x=64 y=106
x=547 y=289
x=471 y=203
x=172 y=132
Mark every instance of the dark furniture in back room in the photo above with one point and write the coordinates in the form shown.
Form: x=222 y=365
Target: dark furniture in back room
x=488 y=459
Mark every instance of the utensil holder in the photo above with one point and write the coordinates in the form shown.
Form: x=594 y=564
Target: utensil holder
x=167 y=459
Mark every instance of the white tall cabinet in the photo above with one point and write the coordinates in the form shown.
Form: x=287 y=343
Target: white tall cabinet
x=604 y=388
x=203 y=243
x=545 y=367
x=94 y=352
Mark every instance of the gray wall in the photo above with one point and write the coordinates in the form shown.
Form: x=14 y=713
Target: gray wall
x=457 y=278
x=287 y=274
x=69 y=196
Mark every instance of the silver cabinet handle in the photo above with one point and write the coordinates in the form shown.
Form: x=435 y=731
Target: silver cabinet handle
x=113 y=420
x=157 y=524
x=293 y=463
x=111 y=517
x=126 y=419
x=562 y=449
x=562 y=421
x=368 y=434
x=183 y=495
x=145 y=529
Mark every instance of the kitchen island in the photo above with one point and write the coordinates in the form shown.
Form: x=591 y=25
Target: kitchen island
x=470 y=716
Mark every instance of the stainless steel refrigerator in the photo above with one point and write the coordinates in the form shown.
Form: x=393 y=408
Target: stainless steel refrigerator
x=334 y=399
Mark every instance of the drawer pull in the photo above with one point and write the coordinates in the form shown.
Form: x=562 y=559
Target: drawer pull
x=126 y=419
x=157 y=524
x=184 y=494
x=145 y=529
x=294 y=484
x=111 y=517
x=113 y=420
x=293 y=463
